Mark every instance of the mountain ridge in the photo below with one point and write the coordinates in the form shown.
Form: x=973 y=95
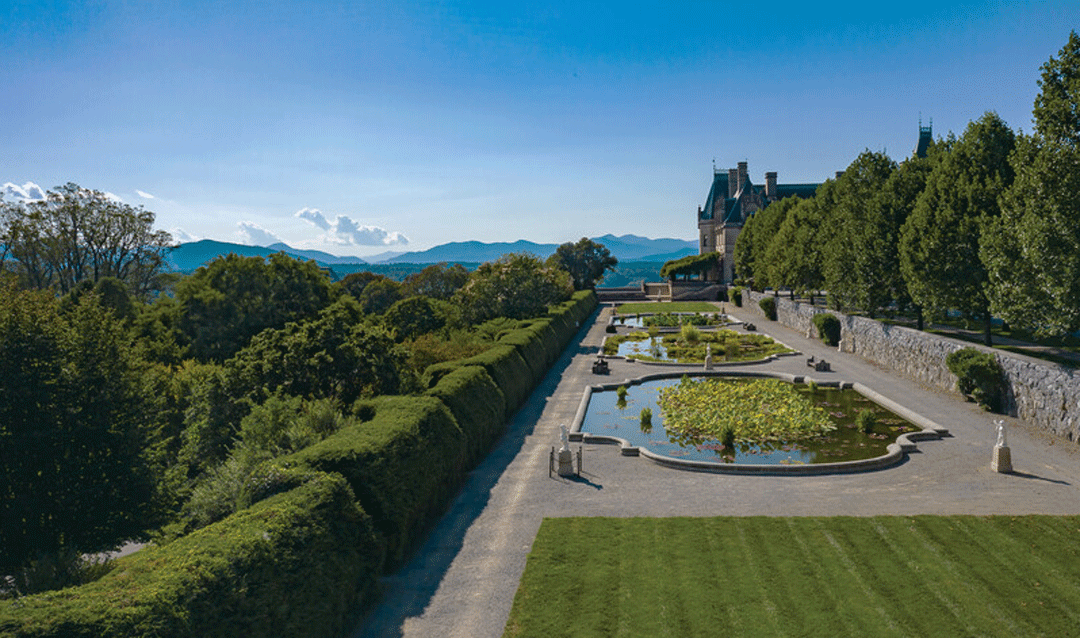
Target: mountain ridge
x=189 y=256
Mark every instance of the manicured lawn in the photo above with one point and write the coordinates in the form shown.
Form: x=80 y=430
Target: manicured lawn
x=666 y=306
x=804 y=576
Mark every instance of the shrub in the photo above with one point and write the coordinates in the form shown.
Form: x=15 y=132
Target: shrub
x=828 y=328
x=736 y=296
x=727 y=439
x=768 y=306
x=865 y=421
x=978 y=376
x=477 y=404
x=610 y=329
x=646 y=418
x=689 y=333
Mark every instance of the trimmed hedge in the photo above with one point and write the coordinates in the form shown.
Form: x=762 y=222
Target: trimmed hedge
x=478 y=406
x=828 y=327
x=305 y=562
x=404 y=465
x=297 y=564
x=768 y=306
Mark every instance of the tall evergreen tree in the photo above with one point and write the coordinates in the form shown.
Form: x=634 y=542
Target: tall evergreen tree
x=939 y=245
x=1032 y=253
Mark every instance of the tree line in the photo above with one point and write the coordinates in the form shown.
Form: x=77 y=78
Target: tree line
x=137 y=403
x=987 y=224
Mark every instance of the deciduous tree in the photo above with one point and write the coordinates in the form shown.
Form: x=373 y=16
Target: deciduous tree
x=586 y=261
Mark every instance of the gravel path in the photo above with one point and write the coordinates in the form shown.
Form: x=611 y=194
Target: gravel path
x=462 y=581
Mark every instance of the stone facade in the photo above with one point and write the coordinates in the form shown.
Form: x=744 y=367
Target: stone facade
x=1039 y=392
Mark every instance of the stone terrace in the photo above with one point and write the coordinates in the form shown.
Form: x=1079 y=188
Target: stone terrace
x=462 y=581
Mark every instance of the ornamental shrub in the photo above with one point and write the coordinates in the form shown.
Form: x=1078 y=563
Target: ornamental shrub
x=828 y=327
x=768 y=306
x=736 y=296
x=865 y=421
x=979 y=377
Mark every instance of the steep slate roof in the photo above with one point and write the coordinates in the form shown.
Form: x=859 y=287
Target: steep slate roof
x=718 y=193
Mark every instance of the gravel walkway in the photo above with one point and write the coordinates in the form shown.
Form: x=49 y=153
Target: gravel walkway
x=462 y=581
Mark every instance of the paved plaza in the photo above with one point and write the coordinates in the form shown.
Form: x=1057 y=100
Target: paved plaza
x=462 y=581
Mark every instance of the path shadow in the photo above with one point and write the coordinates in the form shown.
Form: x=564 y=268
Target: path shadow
x=1036 y=477
x=407 y=592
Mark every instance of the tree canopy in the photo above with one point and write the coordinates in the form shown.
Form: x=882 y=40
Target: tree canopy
x=586 y=261
x=516 y=286
x=76 y=234
x=1032 y=253
x=940 y=240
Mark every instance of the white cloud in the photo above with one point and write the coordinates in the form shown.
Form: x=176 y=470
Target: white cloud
x=113 y=196
x=255 y=235
x=28 y=192
x=344 y=230
x=143 y=194
x=182 y=236
x=315 y=216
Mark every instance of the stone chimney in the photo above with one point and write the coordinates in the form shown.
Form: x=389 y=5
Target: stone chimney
x=770 y=185
x=742 y=174
x=732 y=182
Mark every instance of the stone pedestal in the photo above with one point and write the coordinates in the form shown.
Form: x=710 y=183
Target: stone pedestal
x=566 y=462
x=1002 y=459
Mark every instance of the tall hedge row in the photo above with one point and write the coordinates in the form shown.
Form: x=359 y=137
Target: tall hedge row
x=403 y=465
x=295 y=564
x=305 y=562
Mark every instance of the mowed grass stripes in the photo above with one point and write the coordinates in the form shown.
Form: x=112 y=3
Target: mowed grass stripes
x=802 y=576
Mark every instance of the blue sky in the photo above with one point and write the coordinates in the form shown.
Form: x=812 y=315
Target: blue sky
x=362 y=127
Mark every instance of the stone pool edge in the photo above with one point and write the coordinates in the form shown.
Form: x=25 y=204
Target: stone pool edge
x=895 y=452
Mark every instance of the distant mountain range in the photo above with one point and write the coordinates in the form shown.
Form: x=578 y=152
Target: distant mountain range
x=189 y=256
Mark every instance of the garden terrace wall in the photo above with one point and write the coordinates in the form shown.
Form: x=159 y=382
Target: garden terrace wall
x=296 y=564
x=1039 y=392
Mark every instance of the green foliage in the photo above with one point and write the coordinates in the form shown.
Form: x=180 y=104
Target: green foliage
x=73 y=427
x=230 y=300
x=403 y=465
x=301 y=563
x=865 y=421
x=939 y=245
x=1031 y=252
x=415 y=316
x=758 y=410
x=979 y=377
x=478 y=406
x=768 y=307
x=621 y=392
x=335 y=355
x=516 y=286
x=689 y=333
x=860 y=250
x=646 y=418
x=437 y=281
x=736 y=296
x=586 y=261
x=690 y=265
x=751 y=252
x=660 y=307
x=795 y=255
x=77 y=234
x=828 y=327
x=667 y=319
x=380 y=295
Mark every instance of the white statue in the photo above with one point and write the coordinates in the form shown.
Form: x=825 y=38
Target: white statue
x=1000 y=423
x=565 y=437
x=708 y=356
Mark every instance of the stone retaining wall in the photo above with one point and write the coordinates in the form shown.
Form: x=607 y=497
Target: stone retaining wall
x=1039 y=392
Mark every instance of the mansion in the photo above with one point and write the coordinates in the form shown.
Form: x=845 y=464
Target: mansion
x=732 y=199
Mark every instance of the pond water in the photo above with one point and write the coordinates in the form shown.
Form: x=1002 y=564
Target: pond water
x=706 y=320
x=607 y=417
x=652 y=347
